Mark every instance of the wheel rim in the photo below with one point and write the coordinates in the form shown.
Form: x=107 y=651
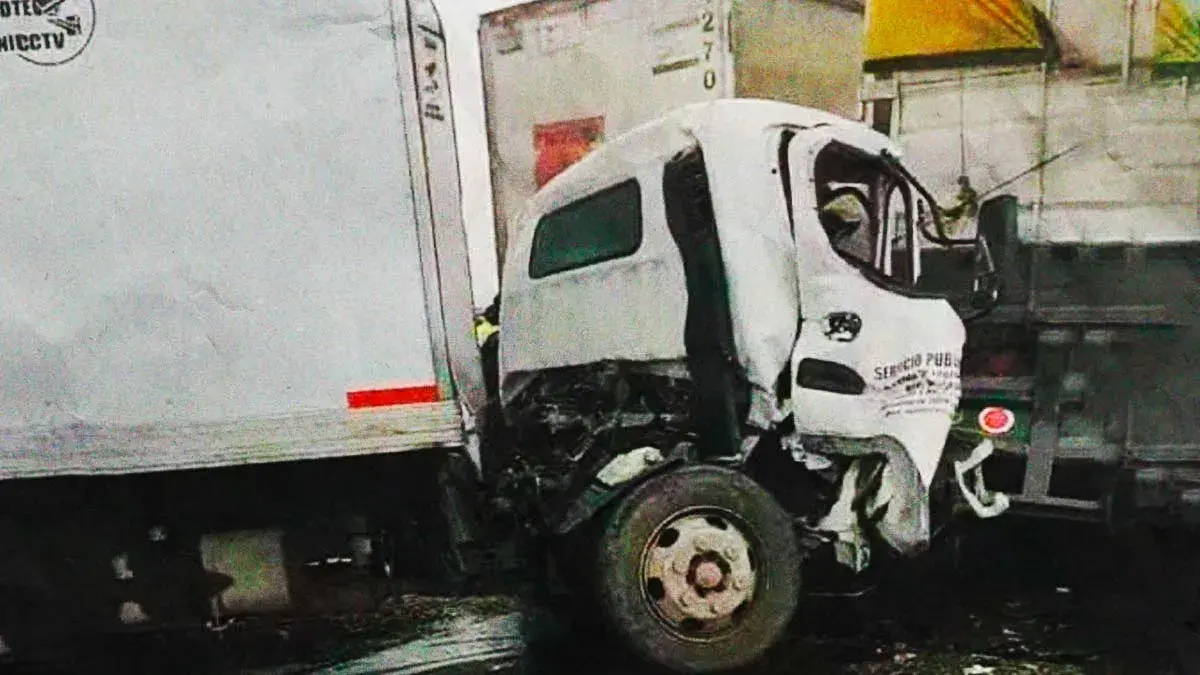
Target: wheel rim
x=699 y=574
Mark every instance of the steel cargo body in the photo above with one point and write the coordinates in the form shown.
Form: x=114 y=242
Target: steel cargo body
x=560 y=76
x=211 y=251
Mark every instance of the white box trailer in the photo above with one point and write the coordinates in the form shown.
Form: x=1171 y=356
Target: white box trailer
x=560 y=75
x=226 y=311
x=211 y=246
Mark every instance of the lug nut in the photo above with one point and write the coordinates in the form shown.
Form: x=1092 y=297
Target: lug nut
x=731 y=554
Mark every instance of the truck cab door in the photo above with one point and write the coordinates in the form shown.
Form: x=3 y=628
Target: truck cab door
x=876 y=365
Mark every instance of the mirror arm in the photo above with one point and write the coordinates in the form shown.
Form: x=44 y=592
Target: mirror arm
x=940 y=237
x=990 y=279
x=995 y=292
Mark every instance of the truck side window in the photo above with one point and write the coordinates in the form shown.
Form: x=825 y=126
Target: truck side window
x=603 y=226
x=847 y=222
x=864 y=209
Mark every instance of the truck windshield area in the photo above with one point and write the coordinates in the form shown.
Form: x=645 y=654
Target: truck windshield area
x=866 y=209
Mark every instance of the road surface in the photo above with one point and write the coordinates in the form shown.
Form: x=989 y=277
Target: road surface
x=1027 y=598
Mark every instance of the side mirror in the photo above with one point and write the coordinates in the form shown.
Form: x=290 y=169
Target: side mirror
x=995 y=243
x=998 y=224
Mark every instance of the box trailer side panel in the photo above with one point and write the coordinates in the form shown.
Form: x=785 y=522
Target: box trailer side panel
x=1095 y=347
x=1129 y=169
x=1114 y=213
x=562 y=75
x=209 y=250
x=807 y=52
x=1076 y=99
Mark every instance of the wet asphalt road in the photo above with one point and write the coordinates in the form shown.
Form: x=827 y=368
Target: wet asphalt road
x=1024 y=597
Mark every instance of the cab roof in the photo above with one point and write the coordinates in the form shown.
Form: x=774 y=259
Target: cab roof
x=681 y=128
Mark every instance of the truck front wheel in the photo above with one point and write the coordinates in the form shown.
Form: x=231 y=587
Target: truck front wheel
x=699 y=570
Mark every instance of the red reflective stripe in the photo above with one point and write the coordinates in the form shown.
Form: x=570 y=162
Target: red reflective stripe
x=378 y=398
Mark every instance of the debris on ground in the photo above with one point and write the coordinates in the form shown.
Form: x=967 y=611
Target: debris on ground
x=993 y=615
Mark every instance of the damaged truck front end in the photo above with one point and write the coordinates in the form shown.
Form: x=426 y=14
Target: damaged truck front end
x=716 y=354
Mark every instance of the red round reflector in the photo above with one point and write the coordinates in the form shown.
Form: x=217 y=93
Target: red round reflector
x=996 y=421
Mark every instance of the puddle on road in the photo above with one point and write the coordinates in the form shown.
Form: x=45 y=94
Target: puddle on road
x=465 y=644
x=457 y=634
x=1038 y=632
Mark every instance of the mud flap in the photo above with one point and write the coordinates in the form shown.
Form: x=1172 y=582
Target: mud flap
x=459 y=510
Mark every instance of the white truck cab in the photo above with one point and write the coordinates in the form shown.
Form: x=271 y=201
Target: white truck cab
x=735 y=279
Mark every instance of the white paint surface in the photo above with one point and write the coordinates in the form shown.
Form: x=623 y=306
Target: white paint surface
x=207 y=216
x=460 y=19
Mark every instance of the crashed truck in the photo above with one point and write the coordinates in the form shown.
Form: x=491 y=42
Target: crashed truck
x=238 y=340
x=687 y=352
x=1085 y=375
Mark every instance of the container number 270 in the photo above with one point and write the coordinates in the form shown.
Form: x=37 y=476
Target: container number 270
x=708 y=25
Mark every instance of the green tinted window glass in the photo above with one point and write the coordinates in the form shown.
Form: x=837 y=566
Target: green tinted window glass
x=603 y=226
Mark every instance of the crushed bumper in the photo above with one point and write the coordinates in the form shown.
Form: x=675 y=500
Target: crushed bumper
x=969 y=475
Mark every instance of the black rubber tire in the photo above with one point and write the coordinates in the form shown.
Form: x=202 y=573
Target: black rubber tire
x=766 y=525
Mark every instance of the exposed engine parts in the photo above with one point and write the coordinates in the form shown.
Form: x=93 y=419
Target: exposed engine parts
x=568 y=423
